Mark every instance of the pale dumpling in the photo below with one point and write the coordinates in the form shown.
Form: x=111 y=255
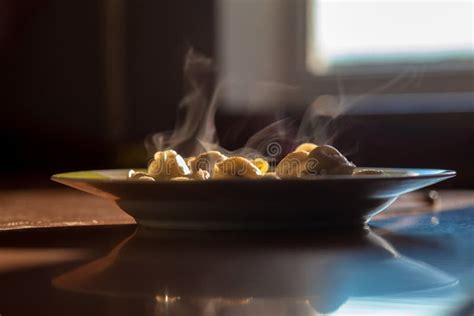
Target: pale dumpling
x=167 y=165
x=236 y=167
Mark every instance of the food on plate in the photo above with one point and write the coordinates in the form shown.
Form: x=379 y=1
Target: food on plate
x=270 y=175
x=206 y=161
x=261 y=164
x=180 y=179
x=306 y=147
x=135 y=175
x=201 y=175
x=326 y=159
x=167 y=165
x=292 y=165
x=236 y=167
x=307 y=161
x=368 y=172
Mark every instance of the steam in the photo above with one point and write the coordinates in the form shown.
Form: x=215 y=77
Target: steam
x=314 y=127
x=196 y=112
x=195 y=129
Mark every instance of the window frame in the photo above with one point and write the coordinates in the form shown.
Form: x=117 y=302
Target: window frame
x=378 y=79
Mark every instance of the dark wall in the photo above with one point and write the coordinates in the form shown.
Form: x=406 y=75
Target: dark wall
x=50 y=85
x=158 y=35
x=53 y=96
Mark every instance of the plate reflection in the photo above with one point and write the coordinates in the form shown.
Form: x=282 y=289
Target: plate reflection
x=217 y=273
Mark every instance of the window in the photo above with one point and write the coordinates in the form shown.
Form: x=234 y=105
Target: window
x=377 y=36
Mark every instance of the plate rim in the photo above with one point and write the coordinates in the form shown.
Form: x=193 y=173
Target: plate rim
x=436 y=174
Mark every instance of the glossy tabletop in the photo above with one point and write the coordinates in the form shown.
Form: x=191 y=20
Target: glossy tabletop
x=416 y=260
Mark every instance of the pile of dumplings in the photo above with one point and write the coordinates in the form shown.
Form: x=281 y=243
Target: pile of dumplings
x=306 y=161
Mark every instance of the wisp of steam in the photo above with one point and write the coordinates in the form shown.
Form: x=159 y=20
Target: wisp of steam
x=196 y=111
x=195 y=129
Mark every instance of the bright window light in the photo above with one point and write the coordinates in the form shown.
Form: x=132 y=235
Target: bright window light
x=355 y=33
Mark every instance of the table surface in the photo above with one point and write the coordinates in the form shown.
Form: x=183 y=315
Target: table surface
x=65 y=252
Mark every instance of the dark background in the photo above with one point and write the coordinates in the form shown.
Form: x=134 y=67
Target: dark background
x=65 y=105
x=53 y=85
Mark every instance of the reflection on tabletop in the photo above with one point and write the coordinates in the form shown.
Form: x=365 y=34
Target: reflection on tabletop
x=409 y=265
